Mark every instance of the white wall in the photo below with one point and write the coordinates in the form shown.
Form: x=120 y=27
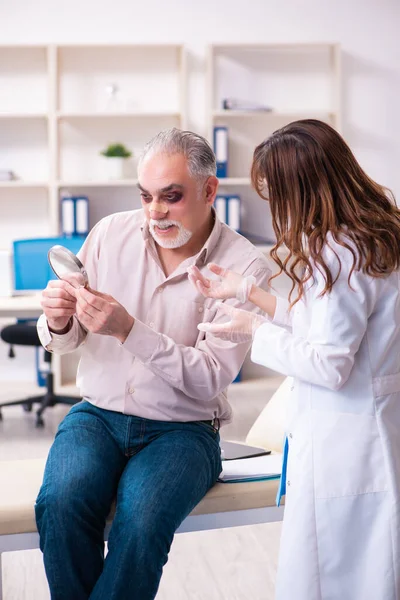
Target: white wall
x=367 y=30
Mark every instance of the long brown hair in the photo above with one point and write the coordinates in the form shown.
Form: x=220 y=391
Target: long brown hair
x=315 y=185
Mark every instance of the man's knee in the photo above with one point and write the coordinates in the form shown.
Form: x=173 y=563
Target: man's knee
x=145 y=530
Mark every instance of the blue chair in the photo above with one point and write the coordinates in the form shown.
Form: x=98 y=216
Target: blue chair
x=32 y=273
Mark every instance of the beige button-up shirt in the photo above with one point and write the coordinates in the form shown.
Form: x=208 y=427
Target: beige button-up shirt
x=166 y=369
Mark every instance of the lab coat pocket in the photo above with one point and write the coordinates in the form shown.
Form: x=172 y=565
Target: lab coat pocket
x=348 y=455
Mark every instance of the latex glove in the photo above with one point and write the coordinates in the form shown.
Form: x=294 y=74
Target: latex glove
x=241 y=327
x=231 y=285
x=101 y=313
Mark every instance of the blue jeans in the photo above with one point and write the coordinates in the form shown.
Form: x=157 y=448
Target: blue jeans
x=157 y=471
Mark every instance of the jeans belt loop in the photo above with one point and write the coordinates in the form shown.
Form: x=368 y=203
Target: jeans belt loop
x=216 y=423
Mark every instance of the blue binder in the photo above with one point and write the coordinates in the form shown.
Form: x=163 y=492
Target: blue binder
x=74 y=215
x=221 y=150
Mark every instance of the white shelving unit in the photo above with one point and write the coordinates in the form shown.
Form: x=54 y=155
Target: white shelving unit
x=295 y=81
x=57 y=113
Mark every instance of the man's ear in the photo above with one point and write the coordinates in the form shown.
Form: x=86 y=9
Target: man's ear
x=210 y=189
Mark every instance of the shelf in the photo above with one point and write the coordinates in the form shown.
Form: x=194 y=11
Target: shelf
x=119 y=115
x=232 y=181
x=94 y=183
x=15 y=183
x=272 y=114
x=23 y=116
x=274 y=46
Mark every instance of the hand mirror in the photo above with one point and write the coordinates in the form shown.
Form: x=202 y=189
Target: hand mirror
x=67 y=266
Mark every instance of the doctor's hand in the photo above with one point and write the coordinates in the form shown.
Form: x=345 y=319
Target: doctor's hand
x=101 y=313
x=59 y=305
x=241 y=327
x=231 y=284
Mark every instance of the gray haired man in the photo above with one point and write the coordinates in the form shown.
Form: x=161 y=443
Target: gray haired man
x=154 y=387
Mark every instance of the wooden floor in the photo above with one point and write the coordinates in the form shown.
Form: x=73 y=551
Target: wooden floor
x=227 y=564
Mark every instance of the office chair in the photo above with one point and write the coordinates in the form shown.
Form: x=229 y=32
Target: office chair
x=31 y=273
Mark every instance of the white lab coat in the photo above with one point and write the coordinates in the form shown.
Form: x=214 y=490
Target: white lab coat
x=341 y=530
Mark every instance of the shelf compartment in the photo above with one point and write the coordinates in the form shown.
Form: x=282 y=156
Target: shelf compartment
x=23 y=80
x=288 y=78
x=148 y=78
x=81 y=142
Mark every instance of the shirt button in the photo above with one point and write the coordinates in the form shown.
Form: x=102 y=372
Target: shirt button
x=201 y=309
x=151 y=324
x=131 y=390
x=291 y=388
x=290 y=435
x=288 y=483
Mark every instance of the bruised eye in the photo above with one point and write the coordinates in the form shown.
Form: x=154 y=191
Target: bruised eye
x=145 y=198
x=172 y=198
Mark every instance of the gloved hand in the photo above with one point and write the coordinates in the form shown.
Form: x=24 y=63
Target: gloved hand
x=231 y=285
x=241 y=327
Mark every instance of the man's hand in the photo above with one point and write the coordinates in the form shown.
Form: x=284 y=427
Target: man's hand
x=59 y=305
x=101 y=313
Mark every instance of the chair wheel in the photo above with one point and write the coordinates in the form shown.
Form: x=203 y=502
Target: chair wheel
x=39 y=422
x=27 y=407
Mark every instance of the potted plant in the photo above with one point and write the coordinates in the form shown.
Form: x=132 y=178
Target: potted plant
x=116 y=155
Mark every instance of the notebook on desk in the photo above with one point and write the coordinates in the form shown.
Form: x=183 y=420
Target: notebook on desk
x=251 y=469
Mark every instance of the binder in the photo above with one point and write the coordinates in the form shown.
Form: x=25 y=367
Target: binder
x=82 y=215
x=234 y=212
x=67 y=216
x=74 y=215
x=220 y=205
x=221 y=150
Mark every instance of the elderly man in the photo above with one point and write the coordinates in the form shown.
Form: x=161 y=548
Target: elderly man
x=153 y=385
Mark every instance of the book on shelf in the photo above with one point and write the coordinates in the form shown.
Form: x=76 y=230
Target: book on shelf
x=243 y=105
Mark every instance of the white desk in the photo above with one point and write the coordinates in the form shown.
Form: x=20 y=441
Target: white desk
x=20 y=307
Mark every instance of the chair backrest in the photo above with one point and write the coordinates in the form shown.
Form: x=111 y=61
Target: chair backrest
x=31 y=266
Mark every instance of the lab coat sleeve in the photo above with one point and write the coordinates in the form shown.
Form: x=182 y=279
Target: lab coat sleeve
x=338 y=322
x=283 y=316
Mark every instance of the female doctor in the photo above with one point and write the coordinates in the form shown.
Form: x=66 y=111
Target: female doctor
x=339 y=337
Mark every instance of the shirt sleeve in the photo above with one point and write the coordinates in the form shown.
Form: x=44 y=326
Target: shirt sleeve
x=61 y=344
x=338 y=323
x=201 y=372
x=70 y=341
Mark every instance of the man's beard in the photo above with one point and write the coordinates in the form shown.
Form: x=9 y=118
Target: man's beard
x=177 y=241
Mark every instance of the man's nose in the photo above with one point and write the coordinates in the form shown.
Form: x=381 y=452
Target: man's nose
x=157 y=215
x=158 y=210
